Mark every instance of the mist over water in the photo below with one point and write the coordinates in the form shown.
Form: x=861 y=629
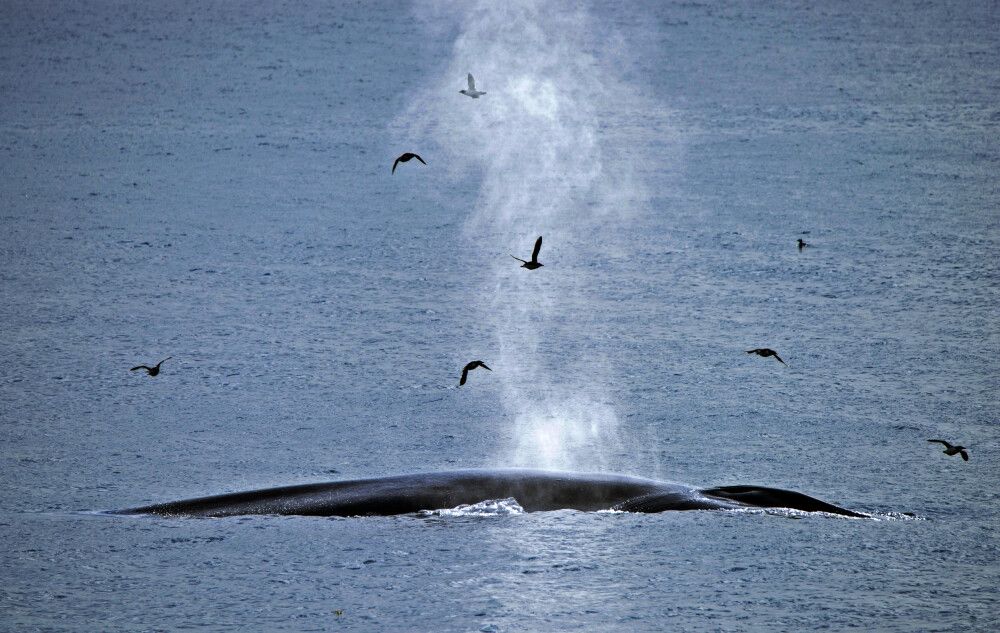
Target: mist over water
x=546 y=164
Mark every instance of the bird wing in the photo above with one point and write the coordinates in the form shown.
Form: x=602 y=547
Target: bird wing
x=965 y=455
x=164 y=360
x=417 y=156
x=472 y=83
x=518 y=259
x=394 y=165
x=538 y=247
x=465 y=374
x=779 y=358
x=140 y=367
x=752 y=351
x=946 y=444
x=483 y=365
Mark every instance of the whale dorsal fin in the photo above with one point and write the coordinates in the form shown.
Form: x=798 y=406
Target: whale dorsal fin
x=763 y=497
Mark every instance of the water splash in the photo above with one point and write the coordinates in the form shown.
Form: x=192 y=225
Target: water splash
x=490 y=507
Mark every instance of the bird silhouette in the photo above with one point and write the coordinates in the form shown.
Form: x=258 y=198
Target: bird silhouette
x=405 y=158
x=802 y=244
x=469 y=367
x=950 y=449
x=533 y=264
x=472 y=92
x=154 y=370
x=765 y=352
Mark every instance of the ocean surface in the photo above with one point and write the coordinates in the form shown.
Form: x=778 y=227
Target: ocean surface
x=210 y=181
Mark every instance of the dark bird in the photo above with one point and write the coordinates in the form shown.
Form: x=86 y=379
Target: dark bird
x=152 y=371
x=472 y=92
x=405 y=158
x=802 y=244
x=953 y=450
x=470 y=367
x=765 y=352
x=533 y=264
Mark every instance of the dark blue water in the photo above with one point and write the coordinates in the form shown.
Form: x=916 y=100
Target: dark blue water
x=212 y=182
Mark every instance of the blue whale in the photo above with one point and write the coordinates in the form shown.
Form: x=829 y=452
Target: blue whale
x=534 y=490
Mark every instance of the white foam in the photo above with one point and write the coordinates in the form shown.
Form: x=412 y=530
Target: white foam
x=489 y=507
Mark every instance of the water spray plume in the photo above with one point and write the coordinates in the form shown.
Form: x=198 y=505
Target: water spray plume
x=547 y=162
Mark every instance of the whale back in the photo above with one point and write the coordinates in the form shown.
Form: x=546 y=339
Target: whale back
x=406 y=494
x=678 y=498
x=534 y=490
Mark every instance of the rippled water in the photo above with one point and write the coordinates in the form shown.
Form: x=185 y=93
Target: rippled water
x=211 y=182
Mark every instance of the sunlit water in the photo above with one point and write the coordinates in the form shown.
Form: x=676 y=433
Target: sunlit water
x=212 y=183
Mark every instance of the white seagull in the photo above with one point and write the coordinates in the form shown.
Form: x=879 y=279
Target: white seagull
x=472 y=92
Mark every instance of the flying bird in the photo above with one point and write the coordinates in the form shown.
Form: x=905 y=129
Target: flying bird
x=765 y=352
x=472 y=92
x=802 y=244
x=533 y=264
x=465 y=370
x=155 y=369
x=405 y=158
x=949 y=449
